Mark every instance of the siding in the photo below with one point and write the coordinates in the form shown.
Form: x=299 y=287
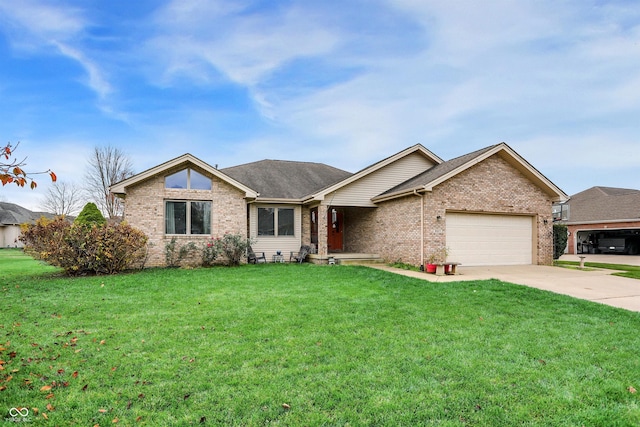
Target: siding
x=271 y=244
x=360 y=192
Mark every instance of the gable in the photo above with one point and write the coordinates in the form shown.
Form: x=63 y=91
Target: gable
x=361 y=191
x=183 y=162
x=361 y=187
x=447 y=170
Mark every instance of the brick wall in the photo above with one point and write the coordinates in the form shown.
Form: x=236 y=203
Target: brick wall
x=144 y=209
x=491 y=186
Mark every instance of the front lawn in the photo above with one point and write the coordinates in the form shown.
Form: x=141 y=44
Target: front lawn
x=292 y=344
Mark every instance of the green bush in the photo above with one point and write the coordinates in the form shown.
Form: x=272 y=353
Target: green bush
x=227 y=250
x=175 y=253
x=90 y=215
x=232 y=248
x=560 y=237
x=83 y=249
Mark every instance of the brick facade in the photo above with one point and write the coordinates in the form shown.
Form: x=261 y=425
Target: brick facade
x=144 y=209
x=393 y=229
x=492 y=186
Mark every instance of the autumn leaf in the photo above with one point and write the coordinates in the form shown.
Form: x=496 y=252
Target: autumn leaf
x=632 y=390
x=3 y=388
x=50 y=407
x=115 y=420
x=45 y=416
x=286 y=406
x=101 y=410
x=49 y=396
x=75 y=374
x=33 y=185
x=54 y=177
x=85 y=387
x=102 y=342
x=45 y=388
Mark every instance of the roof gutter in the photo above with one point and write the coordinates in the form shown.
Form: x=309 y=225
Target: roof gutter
x=607 y=221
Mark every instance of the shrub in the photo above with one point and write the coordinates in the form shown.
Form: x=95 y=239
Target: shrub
x=43 y=239
x=84 y=249
x=560 y=237
x=174 y=253
x=209 y=253
x=233 y=247
x=90 y=215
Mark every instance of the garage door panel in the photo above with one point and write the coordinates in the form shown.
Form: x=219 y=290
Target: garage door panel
x=480 y=239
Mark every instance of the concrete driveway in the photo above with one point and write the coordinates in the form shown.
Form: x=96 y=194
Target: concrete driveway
x=593 y=285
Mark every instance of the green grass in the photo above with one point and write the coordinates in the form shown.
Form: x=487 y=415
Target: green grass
x=631 y=271
x=292 y=344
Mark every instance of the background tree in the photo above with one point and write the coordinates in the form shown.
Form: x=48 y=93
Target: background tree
x=62 y=198
x=11 y=169
x=90 y=215
x=106 y=166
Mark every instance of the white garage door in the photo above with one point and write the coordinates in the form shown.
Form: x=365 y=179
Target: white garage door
x=478 y=239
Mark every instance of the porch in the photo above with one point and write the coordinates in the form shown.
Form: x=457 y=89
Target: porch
x=345 y=258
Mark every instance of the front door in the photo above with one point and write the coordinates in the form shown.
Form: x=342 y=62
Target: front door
x=335 y=224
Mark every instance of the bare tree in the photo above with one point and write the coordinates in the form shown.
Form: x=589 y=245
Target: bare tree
x=63 y=198
x=106 y=166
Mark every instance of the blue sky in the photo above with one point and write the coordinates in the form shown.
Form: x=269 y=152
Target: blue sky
x=345 y=83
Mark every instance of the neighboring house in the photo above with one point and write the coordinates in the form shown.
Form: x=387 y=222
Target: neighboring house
x=11 y=216
x=602 y=220
x=487 y=207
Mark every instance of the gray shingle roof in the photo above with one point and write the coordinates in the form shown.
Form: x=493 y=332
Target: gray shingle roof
x=282 y=179
x=12 y=214
x=436 y=172
x=604 y=204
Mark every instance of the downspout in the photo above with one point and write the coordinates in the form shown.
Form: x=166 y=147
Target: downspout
x=415 y=192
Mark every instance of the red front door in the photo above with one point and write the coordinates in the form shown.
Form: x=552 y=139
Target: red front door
x=335 y=224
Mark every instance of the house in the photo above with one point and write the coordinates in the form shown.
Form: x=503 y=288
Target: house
x=487 y=207
x=11 y=216
x=602 y=220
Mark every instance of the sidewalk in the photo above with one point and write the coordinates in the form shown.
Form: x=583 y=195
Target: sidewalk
x=593 y=285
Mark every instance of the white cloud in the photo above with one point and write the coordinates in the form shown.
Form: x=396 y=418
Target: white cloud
x=195 y=37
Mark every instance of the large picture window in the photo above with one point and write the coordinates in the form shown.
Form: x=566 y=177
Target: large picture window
x=276 y=222
x=188 y=217
x=188 y=179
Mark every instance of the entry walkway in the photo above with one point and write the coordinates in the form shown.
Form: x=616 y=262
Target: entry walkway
x=593 y=285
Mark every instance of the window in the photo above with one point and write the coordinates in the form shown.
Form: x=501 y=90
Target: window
x=188 y=217
x=188 y=179
x=276 y=222
x=560 y=212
